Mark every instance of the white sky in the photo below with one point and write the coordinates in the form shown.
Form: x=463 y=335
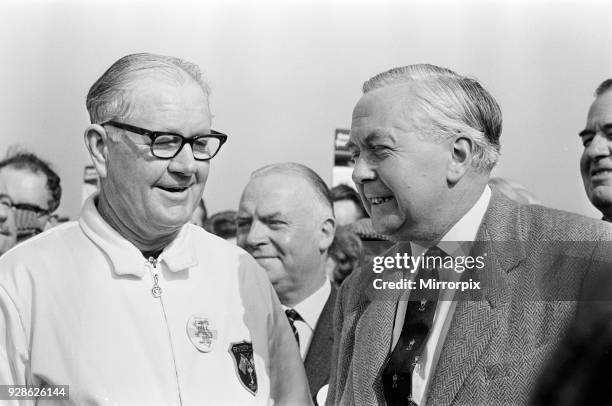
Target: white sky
x=285 y=74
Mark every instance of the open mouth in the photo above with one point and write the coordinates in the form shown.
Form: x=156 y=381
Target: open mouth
x=602 y=172
x=173 y=189
x=379 y=200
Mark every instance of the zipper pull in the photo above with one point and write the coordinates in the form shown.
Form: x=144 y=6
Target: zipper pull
x=156 y=290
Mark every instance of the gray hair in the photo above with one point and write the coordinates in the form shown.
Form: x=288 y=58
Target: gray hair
x=603 y=87
x=110 y=97
x=318 y=185
x=450 y=104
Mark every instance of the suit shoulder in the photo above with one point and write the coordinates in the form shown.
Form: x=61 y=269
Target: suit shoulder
x=552 y=224
x=353 y=291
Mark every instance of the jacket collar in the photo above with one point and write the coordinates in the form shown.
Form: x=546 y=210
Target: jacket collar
x=124 y=257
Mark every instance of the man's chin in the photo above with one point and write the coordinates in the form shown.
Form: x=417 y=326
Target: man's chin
x=268 y=263
x=601 y=197
x=169 y=221
x=388 y=225
x=273 y=268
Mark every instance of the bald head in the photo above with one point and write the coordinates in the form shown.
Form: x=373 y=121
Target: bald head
x=313 y=181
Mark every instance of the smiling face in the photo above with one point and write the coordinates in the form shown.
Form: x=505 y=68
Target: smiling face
x=149 y=195
x=280 y=222
x=596 y=160
x=402 y=178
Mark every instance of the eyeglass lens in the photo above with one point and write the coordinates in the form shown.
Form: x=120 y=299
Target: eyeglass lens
x=167 y=146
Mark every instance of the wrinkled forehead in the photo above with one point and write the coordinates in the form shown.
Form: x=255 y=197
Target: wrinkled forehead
x=387 y=111
x=274 y=186
x=169 y=101
x=159 y=82
x=173 y=76
x=386 y=104
x=279 y=192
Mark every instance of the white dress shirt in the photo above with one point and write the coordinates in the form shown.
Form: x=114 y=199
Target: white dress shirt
x=464 y=230
x=310 y=310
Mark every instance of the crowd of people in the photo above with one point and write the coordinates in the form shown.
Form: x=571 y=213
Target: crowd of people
x=147 y=299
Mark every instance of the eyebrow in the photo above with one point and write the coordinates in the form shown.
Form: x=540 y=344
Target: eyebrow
x=271 y=216
x=264 y=217
x=587 y=131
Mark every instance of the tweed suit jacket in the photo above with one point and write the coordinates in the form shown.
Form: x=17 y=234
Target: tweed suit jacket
x=539 y=262
x=318 y=358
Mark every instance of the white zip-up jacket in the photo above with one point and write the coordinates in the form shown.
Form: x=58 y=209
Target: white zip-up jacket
x=201 y=325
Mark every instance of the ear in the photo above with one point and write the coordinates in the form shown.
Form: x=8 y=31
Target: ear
x=96 y=141
x=461 y=159
x=328 y=230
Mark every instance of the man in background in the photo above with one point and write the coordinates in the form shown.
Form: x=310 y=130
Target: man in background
x=35 y=190
x=285 y=220
x=596 y=160
x=222 y=224
x=131 y=304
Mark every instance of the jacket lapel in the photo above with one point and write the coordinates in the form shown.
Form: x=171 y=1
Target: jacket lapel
x=317 y=362
x=373 y=335
x=476 y=320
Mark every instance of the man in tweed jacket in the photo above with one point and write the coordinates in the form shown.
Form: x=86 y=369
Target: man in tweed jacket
x=424 y=140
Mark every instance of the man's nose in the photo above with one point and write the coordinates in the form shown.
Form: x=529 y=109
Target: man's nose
x=184 y=162
x=256 y=235
x=599 y=147
x=363 y=171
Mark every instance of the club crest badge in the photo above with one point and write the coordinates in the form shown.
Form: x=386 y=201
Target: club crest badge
x=242 y=356
x=202 y=333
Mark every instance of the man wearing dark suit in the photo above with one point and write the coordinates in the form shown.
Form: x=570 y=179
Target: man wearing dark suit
x=424 y=140
x=596 y=160
x=285 y=220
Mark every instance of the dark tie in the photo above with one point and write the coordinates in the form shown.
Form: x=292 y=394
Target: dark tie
x=293 y=316
x=420 y=310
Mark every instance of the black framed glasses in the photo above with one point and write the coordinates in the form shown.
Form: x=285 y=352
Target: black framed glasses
x=37 y=211
x=167 y=145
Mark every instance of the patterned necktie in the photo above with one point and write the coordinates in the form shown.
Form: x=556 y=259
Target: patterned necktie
x=420 y=310
x=294 y=316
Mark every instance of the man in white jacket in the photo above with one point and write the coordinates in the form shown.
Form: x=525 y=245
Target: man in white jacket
x=131 y=304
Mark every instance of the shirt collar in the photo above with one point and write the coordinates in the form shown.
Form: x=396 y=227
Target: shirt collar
x=311 y=308
x=124 y=257
x=458 y=240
